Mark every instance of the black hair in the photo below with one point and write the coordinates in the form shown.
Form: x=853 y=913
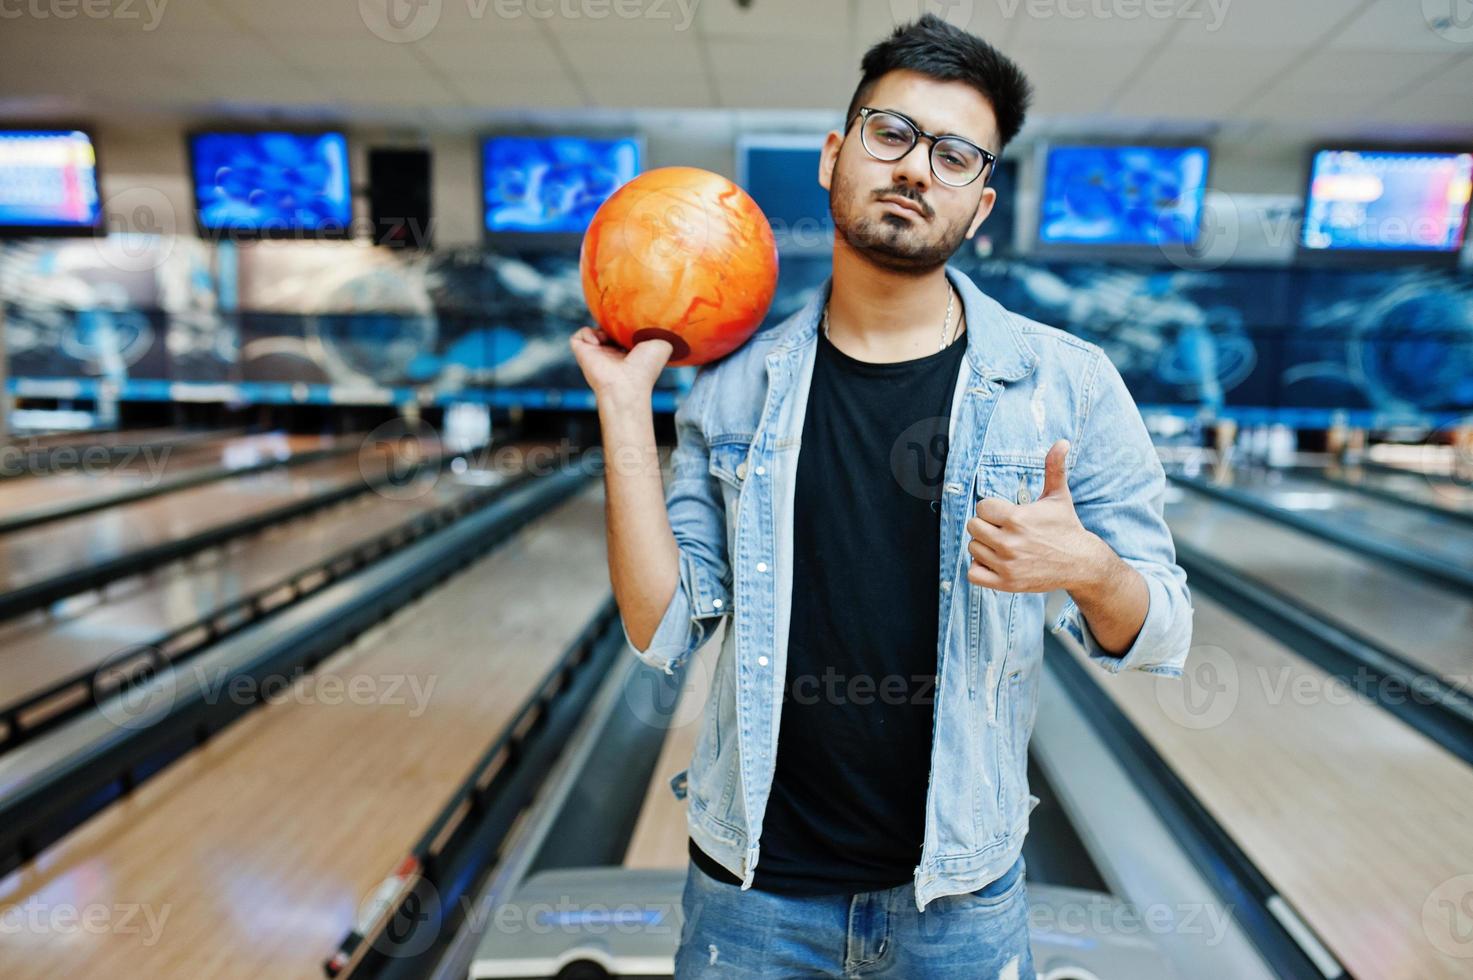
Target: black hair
x=932 y=47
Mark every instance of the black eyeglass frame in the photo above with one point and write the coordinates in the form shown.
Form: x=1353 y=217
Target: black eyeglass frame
x=989 y=159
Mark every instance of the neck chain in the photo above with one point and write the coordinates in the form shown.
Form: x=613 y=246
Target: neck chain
x=946 y=329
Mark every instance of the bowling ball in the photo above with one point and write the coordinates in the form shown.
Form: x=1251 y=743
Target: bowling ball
x=683 y=255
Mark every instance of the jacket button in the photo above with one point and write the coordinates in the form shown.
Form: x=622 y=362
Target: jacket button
x=742 y=470
x=761 y=661
x=762 y=566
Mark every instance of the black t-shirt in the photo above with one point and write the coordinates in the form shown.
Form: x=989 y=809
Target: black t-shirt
x=847 y=808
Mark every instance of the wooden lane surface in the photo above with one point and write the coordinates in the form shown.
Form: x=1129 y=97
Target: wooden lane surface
x=51 y=549
x=1457 y=497
x=21 y=494
x=1423 y=623
x=1361 y=823
x=256 y=851
x=1444 y=539
x=659 y=838
x=42 y=649
x=105 y=437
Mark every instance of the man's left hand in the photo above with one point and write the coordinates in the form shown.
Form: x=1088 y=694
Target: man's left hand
x=1038 y=546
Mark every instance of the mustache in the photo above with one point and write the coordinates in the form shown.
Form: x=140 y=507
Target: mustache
x=908 y=195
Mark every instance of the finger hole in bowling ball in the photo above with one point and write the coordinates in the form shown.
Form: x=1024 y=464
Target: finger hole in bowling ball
x=680 y=349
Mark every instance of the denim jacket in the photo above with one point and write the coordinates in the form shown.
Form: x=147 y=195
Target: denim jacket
x=1022 y=385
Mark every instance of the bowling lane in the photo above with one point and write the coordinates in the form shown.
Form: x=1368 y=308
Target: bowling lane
x=1408 y=486
x=38 y=652
x=1444 y=539
x=1358 y=821
x=659 y=834
x=39 y=553
x=109 y=437
x=1425 y=624
x=150 y=466
x=252 y=856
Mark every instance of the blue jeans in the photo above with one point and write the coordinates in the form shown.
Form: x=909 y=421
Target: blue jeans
x=732 y=933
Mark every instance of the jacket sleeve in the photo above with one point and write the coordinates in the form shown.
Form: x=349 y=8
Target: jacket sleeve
x=1119 y=491
x=698 y=520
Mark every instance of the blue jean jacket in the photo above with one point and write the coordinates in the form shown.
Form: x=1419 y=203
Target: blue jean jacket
x=1022 y=386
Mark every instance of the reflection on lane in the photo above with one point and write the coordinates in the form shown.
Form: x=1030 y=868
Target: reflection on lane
x=1445 y=539
x=39 y=553
x=1421 y=622
x=148 y=468
x=1355 y=818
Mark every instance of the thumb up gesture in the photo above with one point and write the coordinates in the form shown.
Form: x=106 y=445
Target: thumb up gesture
x=1039 y=546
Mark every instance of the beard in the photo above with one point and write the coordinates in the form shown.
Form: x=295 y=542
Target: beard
x=892 y=242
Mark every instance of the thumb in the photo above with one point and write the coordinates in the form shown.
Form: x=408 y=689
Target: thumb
x=656 y=353
x=1055 y=476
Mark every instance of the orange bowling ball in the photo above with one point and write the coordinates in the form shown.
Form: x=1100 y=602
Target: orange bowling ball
x=679 y=254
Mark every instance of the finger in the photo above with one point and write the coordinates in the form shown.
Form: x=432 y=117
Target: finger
x=984 y=554
x=656 y=350
x=1055 y=475
x=982 y=575
x=995 y=510
x=988 y=534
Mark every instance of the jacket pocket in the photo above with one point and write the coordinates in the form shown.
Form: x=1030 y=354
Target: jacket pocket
x=992 y=614
x=712 y=779
x=1019 y=697
x=728 y=462
x=1014 y=477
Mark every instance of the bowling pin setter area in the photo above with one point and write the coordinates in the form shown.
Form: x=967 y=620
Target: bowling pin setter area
x=447 y=450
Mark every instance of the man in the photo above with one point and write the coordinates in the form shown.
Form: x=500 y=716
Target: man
x=878 y=493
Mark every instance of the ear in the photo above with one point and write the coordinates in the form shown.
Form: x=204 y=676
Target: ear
x=984 y=208
x=828 y=158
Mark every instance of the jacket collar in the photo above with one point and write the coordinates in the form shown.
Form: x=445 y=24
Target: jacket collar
x=995 y=346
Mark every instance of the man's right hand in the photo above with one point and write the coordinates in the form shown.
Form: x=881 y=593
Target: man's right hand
x=615 y=374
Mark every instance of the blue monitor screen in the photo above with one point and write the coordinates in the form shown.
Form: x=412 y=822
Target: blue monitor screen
x=782 y=177
x=1123 y=195
x=48 y=181
x=1388 y=201
x=265 y=183
x=552 y=183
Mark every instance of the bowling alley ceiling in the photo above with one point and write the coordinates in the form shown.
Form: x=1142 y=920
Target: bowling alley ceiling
x=1124 y=67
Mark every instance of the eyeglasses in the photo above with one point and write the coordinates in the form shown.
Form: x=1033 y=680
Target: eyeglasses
x=889 y=136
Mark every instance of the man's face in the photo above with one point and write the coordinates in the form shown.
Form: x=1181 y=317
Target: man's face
x=888 y=234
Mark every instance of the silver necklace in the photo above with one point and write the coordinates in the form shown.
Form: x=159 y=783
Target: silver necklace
x=945 y=324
